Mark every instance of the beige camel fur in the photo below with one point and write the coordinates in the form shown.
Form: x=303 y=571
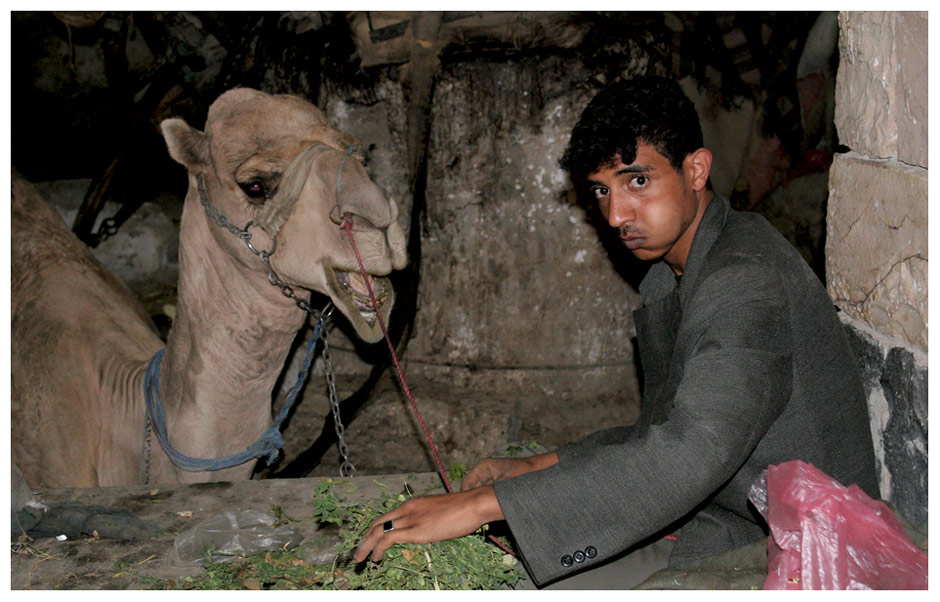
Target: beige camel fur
x=81 y=342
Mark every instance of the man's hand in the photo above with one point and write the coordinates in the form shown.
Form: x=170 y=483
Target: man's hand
x=431 y=518
x=491 y=470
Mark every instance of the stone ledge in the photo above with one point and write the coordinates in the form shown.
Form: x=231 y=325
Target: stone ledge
x=101 y=563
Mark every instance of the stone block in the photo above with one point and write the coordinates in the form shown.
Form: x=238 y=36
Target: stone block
x=866 y=84
x=869 y=355
x=876 y=246
x=911 y=91
x=881 y=88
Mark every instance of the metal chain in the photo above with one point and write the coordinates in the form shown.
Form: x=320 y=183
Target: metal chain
x=107 y=229
x=262 y=255
x=216 y=215
x=146 y=455
x=346 y=469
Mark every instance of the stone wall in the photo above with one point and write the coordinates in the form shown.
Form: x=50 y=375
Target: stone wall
x=876 y=248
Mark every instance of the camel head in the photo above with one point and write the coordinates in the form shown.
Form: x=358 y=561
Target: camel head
x=273 y=162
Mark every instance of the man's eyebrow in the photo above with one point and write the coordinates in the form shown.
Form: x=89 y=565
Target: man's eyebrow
x=634 y=169
x=625 y=170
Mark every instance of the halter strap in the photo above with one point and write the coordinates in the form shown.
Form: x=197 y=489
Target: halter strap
x=268 y=444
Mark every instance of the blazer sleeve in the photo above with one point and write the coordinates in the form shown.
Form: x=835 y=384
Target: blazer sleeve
x=612 y=489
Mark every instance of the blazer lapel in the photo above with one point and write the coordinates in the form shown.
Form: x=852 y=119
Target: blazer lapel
x=657 y=322
x=656 y=325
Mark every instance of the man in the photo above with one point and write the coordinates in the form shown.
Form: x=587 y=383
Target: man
x=745 y=365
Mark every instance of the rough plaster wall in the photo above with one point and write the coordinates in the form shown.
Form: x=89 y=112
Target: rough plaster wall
x=380 y=125
x=515 y=286
x=876 y=249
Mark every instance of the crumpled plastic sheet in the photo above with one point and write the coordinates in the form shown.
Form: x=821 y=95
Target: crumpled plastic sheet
x=824 y=535
x=231 y=535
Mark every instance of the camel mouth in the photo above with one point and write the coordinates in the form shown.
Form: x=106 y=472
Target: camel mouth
x=355 y=287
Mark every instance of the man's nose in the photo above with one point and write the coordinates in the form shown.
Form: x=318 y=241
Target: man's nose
x=621 y=212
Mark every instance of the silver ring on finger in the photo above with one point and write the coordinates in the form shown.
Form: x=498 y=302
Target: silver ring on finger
x=388 y=526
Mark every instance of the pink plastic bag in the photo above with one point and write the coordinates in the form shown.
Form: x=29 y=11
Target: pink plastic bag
x=824 y=535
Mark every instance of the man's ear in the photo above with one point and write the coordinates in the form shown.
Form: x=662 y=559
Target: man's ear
x=187 y=146
x=698 y=164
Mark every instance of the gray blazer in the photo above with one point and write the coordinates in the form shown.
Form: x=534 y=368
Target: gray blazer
x=745 y=364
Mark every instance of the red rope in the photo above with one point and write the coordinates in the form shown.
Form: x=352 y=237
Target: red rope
x=347 y=225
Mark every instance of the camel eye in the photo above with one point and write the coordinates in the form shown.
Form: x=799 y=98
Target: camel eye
x=255 y=189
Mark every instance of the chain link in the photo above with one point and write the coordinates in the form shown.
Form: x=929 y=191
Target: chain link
x=346 y=468
x=106 y=229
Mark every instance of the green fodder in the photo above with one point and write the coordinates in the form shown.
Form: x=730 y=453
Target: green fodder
x=469 y=562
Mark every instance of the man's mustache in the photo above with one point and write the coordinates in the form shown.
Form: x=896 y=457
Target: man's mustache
x=633 y=231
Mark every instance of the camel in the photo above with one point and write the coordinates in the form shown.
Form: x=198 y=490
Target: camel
x=81 y=342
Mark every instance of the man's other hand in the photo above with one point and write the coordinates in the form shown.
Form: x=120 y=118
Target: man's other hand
x=491 y=470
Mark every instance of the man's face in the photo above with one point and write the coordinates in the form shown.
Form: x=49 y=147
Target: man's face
x=651 y=204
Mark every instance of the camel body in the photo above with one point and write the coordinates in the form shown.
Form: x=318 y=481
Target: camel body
x=81 y=341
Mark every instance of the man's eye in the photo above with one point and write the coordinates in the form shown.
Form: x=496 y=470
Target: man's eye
x=639 y=181
x=600 y=191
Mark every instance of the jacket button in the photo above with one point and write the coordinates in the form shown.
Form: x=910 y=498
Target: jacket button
x=567 y=560
x=590 y=551
x=579 y=556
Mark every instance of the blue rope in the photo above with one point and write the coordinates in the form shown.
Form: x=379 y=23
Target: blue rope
x=270 y=442
x=339 y=178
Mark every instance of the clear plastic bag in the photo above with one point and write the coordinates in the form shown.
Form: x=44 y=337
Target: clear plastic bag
x=824 y=535
x=231 y=535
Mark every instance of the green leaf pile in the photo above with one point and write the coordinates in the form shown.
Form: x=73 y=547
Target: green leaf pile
x=469 y=562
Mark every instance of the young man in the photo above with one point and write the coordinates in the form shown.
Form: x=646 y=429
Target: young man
x=745 y=365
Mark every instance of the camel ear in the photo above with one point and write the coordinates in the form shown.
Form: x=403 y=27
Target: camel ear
x=187 y=146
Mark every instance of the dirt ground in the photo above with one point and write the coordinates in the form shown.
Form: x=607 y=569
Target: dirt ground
x=466 y=424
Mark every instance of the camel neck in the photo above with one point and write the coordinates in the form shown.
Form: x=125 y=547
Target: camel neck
x=230 y=338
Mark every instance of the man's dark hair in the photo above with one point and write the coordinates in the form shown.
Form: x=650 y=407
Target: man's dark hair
x=653 y=110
